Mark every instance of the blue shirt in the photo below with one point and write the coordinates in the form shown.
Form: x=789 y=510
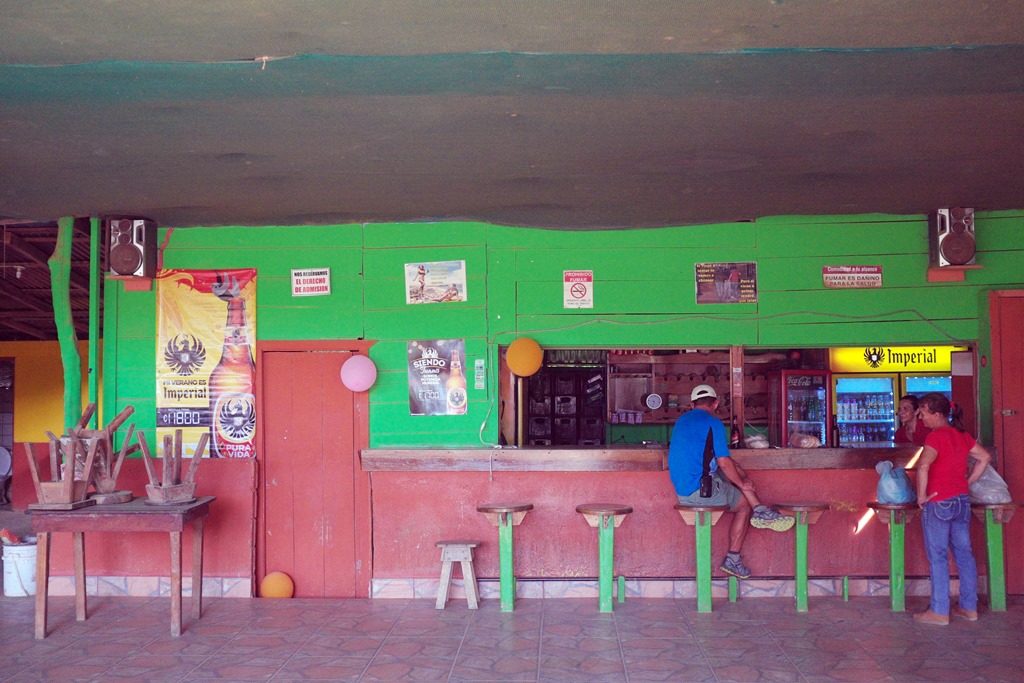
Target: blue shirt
x=686 y=449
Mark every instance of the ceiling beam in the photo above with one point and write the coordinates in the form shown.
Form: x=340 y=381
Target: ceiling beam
x=24 y=329
x=25 y=299
x=37 y=255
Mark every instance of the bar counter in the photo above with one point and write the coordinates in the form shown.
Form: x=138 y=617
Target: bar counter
x=615 y=459
x=421 y=495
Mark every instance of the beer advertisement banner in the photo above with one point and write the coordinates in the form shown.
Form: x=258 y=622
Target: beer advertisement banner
x=437 y=378
x=206 y=328
x=435 y=282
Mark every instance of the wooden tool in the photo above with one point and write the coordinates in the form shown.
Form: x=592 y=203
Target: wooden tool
x=169 y=488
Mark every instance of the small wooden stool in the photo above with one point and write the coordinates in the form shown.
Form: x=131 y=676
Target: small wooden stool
x=805 y=514
x=605 y=516
x=461 y=552
x=702 y=518
x=896 y=517
x=995 y=515
x=505 y=516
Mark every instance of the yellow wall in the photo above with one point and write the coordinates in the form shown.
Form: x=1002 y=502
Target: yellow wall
x=39 y=387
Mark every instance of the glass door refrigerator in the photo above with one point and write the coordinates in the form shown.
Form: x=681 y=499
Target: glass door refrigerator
x=865 y=410
x=805 y=404
x=921 y=383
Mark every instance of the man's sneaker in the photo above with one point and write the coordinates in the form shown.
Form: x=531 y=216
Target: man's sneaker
x=736 y=568
x=765 y=517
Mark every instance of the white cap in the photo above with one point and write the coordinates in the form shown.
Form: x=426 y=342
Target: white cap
x=703 y=391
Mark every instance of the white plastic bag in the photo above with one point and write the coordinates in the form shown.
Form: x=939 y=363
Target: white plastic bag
x=990 y=488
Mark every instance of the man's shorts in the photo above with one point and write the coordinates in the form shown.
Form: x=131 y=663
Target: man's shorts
x=722 y=493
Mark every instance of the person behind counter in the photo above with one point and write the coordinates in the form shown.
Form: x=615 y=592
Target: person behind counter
x=729 y=483
x=911 y=430
x=942 y=493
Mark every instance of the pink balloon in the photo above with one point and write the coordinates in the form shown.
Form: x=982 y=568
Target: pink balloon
x=358 y=373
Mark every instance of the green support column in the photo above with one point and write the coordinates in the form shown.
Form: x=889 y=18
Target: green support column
x=703 y=530
x=505 y=572
x=734 y=589
x=94 y=316
x=996 y=562
x=622 y=589
x=801 y=561
x=897 y=589
x=605 y=554
x=60 y=289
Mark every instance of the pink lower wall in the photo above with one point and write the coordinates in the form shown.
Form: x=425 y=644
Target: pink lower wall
x=412 y=510
x=229 y=531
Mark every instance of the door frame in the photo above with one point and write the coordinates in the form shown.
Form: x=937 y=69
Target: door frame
x=361 y=439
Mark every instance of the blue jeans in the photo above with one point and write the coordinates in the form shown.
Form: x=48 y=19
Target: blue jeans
x=947 y=524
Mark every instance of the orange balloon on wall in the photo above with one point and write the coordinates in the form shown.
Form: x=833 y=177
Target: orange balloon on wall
x=277 y=585
x=524 y=357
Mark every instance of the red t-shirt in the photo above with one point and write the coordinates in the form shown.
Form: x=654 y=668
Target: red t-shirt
x=920 y=433
x=947 y=476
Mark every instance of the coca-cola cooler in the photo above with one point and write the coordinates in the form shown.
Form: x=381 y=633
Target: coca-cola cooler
x=806 y=405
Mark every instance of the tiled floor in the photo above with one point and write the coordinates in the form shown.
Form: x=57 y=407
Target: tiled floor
x=544 y=640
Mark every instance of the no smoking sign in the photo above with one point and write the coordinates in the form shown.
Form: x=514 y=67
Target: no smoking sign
x=577 y=289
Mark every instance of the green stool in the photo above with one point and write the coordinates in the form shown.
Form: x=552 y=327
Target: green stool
x=606 y=517
x=505 y=516
x=896 y=518
x=702 y=518
x=995 y=515
x=805 y=515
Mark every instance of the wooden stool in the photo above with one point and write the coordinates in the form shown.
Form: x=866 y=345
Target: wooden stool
x=505 y=516
x=605 y=516
x=896 y=517
x=461 y=552
x=995 y=515
x=704 y=517
x=805 y=514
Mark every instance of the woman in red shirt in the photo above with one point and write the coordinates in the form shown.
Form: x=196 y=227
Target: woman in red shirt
x=942 y=483
x=912 y=430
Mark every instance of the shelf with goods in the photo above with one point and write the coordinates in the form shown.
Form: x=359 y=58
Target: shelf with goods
x=654 y=388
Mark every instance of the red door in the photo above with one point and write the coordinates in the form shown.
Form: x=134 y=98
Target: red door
x=313 y=491
x=1007 y=317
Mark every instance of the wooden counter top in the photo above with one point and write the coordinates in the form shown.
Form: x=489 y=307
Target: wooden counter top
x=613 y=459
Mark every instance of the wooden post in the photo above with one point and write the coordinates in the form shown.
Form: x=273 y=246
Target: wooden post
x=60 y=286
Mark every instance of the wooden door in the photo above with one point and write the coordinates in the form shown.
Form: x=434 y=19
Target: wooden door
x=1007 y=317
x=315 y=526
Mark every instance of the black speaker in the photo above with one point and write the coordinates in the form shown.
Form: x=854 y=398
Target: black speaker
x=951 y=237
x=131 y=243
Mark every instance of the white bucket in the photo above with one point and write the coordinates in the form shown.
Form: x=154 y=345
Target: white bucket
x=20 y=569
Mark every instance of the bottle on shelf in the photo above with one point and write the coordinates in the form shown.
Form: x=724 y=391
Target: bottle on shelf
x=734 y=435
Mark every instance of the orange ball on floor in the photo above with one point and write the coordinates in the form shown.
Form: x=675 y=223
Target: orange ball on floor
x=277 y=585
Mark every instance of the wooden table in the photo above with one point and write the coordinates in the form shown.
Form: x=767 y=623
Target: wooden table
x=133 y=516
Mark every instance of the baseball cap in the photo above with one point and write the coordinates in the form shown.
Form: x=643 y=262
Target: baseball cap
x=703 y=391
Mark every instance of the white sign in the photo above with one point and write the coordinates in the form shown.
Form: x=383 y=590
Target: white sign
x=311 y=282
x=577 y=289
x=480 y=378
x=851 y=277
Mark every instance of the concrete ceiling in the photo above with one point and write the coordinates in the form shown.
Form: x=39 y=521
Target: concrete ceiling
x=563 y=114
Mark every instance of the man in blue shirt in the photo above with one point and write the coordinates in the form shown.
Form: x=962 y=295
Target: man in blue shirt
x=694 y=433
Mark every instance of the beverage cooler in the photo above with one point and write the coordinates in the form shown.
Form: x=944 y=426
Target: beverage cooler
x=865 y=409
x=921 y=383
x=805 y=397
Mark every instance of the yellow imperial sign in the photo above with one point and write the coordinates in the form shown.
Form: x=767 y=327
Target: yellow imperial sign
x=892 y=358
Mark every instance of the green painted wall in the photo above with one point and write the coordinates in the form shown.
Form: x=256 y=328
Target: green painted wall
x=644 y=295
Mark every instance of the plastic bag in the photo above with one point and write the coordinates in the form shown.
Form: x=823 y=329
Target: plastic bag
x=990 y=488
x=893 y=485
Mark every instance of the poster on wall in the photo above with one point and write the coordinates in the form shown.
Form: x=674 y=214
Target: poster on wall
x=726 y=283
x=437 y=377
x=435 y=282
x=206 y=328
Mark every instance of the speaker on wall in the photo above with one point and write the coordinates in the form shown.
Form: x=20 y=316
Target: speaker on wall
x=951 y=237
x=131 y=246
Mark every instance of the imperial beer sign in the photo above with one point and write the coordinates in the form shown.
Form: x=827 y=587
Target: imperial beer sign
x=878 y=358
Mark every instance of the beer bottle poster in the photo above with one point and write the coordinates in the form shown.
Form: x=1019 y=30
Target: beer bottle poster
x=437 y=377
x=206 y=329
